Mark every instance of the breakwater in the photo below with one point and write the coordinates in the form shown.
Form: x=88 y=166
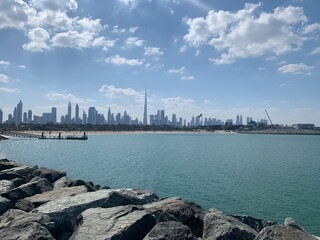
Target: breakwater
x=41 y=203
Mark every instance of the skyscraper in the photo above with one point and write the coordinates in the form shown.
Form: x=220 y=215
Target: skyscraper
x=69 y=113
x=92 y=116
x=19 y=113
x=145 y=114
x=77 y=114
x=1 y=116
x=53 y=117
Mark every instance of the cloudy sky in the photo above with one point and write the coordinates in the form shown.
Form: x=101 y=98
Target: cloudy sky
x=219 y=58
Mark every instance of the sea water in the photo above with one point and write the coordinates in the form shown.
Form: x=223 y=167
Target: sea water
x=265 y=176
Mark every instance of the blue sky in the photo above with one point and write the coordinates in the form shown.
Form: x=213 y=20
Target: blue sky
x=219 y=58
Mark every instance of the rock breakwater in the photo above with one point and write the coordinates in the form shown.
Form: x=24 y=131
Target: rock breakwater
x=40 y=203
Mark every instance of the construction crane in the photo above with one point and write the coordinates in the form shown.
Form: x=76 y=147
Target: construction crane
x=269 y=118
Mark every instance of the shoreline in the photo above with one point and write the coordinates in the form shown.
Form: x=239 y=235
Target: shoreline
x=46 y=203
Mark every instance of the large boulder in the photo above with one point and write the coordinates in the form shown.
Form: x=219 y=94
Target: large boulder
x=5 y=186
x=282 y=232
x=255 y=223
x=5 y=204
x=220 y=226
x=170 y=231
x=89 y=185
x=174 y=209
x=123 y=222
x=50 y=174
x=65 y=210
x=6 y=164
x=17 y=224
x=24 y=205
x=45 y=197
x=35 y=186
x=25 y=172
x=62 y=182
x=121 y=197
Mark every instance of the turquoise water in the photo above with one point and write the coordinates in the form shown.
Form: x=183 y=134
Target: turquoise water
x=267 y=176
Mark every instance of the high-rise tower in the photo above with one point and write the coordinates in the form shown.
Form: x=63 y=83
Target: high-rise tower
x=145 y=114
x=69 y=113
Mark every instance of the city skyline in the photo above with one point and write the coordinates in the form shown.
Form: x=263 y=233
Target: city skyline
x=93 y=117
x=218 y=58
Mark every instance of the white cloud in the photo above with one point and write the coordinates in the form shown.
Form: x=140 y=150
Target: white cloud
x=133 y=29
x=152 y=51
x=299 y=68
x=248 y=32
x=311 y=28
x=117 y=60
x=9 y=90
x=55 y=5
x=111 y=91
x=315 y=51
x=3 y=78
x=5 y=63
x=38 y=38
x=206 y=101
x=183 y=48
x=130 y=3
x=176 y=71
x=56 y=96
x=118 y=30
x=187 y=78
x=261 y=68
x=177 y=102
x=57 y=19
x=134 y=41
x=22 y=66
x=14 y=14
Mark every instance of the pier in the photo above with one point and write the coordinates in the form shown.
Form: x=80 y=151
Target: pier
x=44 y=136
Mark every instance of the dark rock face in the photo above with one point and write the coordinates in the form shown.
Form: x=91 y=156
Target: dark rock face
x=123 y=222
x=255 y=223
x=220 y=226
x=170 y=231
x=49 y=174
x=174 y=209
x=17 y=224
x=5 y=204
x=89 y=185
x=35 y=186
x=281 y=232
x=24 y=205
x=25 y=172
x=6 y=164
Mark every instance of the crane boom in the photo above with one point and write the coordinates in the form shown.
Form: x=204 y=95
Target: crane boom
x=268 y=117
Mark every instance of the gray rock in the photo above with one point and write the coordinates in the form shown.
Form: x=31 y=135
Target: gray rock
x=50 y=174
x=123 y=222
x=27 y=231
x=281 y=232
x=5 y=204
x=6 y=164
x=170 y=231
x=35 y=186
x=65 y=210
x=25 y=172
x=62 y=182
x=220 y=226
x=255 y=223
x=48 y=196
x=24 y=205
x=89 y=185
x=17 y=182
x=19 y=217
x=174 y=209
x=129 y=197
x=290 y=222
x=5 y=186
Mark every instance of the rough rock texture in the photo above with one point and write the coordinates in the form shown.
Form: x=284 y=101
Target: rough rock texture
x=220 y=226
x=170 y=231
x=5 y=204
x=6 y=164
x=25 y=172
x=130 y=197
x=45 y=197
x=65 y=210
x=24 y=205
x=62 y=182
x=5 y=186
x=281 y=232
x=174 y=209
x=255 y=223
x=35 y=186
x=123 y=222
x=49 y=174
x=89 y=185
x=17 y=182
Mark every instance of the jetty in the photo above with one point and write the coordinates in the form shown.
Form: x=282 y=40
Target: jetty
x=18 y=134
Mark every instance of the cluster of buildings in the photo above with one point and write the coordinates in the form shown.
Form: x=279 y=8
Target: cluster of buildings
x=92 y=116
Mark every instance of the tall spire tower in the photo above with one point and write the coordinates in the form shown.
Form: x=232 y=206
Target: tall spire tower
x=145 y=114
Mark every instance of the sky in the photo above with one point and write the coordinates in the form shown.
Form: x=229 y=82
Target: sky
x=218 y=58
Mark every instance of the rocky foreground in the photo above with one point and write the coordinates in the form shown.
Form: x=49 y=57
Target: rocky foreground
x=40 y=203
